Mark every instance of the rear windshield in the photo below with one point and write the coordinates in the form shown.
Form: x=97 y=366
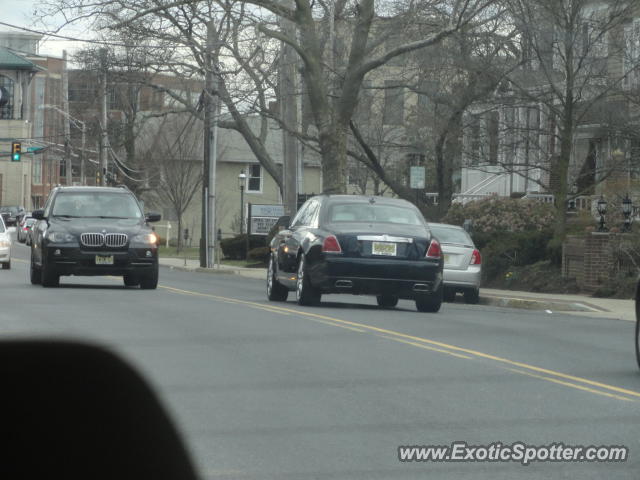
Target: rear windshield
x=9 y=209
x=451 y=235
x=30 y=221
x=96 y=204
x=367 y=212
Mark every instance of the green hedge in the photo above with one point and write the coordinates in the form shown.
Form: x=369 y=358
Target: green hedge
x=236 y=248
x=260 y=254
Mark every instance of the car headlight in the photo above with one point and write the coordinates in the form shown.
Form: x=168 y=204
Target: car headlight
x=145 y=239
x=4 y=242
x=60 y=237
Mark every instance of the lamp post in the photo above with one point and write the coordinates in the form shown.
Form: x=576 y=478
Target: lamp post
x=627 y=207
x=241 y=182
x=602 y=210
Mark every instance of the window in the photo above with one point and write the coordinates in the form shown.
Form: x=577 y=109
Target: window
x=6 y=98
x=254 y=179
x=393 y=104
x=36 y=170
x=631 y=53
x=493 y=128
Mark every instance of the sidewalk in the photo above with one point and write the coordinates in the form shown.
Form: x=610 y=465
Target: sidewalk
x=550 y=302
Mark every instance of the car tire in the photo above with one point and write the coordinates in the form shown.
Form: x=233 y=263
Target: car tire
x=387 y=301
x=449 y=295
x=34 y=273
x=430 y=303
x=49 y=277
x=130 y=280
x=306 y=294
x=150 y=281
x=276 y=292
x=472 y=296
x=6 y=266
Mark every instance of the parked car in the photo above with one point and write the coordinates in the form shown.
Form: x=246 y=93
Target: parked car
x=23 y=229
x=5 y=246
x=94 y=231
x=12 y=214
x=462 y=262
x=359 y=245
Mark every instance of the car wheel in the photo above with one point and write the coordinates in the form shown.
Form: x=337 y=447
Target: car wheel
x=387 y=301
x=431 y=302
x=305 y=293
x=449 y=295
x=276 y=292
x=130 y=280
x=6 y=266
x=150 y=281
x=472 y=296
x=49 y=277
x=34 y=273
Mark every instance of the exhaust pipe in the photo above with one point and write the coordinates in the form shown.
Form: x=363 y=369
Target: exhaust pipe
x=344 y=284
x=421 y=287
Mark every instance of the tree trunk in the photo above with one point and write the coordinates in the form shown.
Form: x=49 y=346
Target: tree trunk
x=333 y=144
x=444 y=150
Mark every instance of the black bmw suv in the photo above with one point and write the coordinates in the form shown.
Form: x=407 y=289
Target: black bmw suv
x=94 y=231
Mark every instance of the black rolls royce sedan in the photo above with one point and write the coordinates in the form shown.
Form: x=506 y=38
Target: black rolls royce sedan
x=359 y=245
x=94 y=231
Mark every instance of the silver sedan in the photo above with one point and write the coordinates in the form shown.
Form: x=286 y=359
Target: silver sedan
x=462 y=262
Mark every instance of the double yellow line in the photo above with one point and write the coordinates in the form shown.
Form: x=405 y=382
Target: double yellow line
x=559 y=378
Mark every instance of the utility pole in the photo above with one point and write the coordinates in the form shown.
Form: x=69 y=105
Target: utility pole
x=211 y=105
x=289 y=111
x=103 y=114
x=67 y=124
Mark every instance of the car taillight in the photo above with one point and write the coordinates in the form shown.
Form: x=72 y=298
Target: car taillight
x=476 y=259
x=434 y=250
x=331 y=245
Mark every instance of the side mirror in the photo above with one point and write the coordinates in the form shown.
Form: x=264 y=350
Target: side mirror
x=152 y=217
x=38 y=214
x=283 y=222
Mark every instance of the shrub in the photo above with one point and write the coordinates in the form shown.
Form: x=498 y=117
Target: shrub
x=235 y=248
x=500 y=214
x=260 y=254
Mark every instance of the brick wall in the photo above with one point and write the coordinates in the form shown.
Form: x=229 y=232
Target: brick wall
x=591 y=260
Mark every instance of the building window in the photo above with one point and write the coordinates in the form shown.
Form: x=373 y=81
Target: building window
x=254 y=179
x=6 y=101
x=393 y=104
x=36 y=170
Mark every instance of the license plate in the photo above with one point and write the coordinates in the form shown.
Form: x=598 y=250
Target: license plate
x=383 y=248
x=446 y=258
x=104 y=259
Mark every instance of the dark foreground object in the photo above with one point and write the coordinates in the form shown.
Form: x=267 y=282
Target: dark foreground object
x=75 y=411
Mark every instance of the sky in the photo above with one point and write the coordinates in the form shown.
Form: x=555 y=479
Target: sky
x=20 y=13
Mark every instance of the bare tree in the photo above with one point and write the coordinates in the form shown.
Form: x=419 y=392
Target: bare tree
x=174 y=154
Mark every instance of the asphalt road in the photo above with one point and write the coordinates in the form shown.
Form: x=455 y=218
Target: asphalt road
x=276 y=391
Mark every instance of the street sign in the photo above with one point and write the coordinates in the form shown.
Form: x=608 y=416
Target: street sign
x=263 y=217
x=417 y=177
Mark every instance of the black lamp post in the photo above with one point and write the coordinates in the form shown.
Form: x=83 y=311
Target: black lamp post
x=241 y=182
x=627 y=207
x=602 y=210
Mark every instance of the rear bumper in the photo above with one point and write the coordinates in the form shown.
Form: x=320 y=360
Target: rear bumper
x=469 y=278
x=365 y=276
x=73 y=261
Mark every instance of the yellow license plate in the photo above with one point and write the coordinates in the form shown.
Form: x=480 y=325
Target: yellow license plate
x=446 y=259
x=384 y=248
x=104 y=259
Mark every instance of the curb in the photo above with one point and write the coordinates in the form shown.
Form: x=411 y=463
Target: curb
x=258 y=273
x=527 y=304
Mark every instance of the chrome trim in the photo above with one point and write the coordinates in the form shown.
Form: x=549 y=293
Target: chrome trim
x=92 y=239
x=385 y=238
x=115 y=239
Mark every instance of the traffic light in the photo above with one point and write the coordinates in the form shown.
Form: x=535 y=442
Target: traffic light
x=16 y=151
